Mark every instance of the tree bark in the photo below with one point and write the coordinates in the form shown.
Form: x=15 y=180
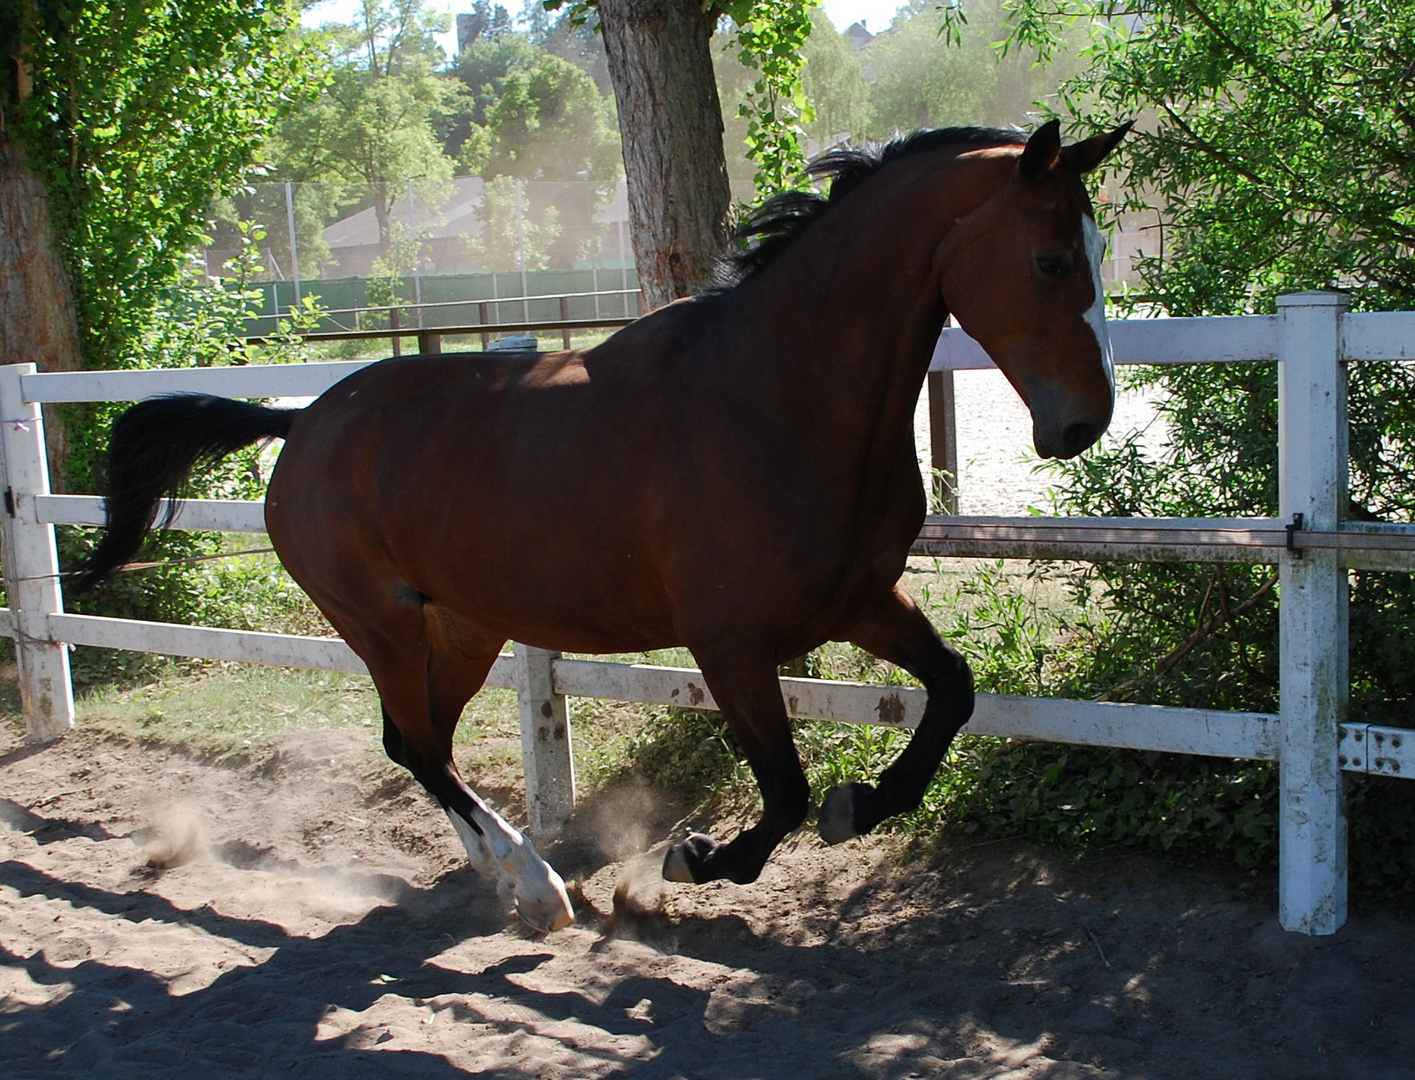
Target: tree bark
x=670 y=118
x=38 y=317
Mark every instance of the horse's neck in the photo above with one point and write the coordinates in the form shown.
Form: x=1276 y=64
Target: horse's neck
x=844 y=321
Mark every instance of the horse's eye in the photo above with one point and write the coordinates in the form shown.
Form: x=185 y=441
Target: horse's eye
x=1053 y=266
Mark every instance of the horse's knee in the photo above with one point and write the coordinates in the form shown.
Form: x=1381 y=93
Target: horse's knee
x=950 y=674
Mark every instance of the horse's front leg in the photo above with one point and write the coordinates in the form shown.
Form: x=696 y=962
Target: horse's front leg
x=745 y=685
x=899 y=632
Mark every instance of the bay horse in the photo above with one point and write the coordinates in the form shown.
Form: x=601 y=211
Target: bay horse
x=734 y=473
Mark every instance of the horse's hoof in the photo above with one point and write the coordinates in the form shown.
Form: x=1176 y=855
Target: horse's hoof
x=545 y=916
x=836 y=820
x=684 y=860
x=549 y=911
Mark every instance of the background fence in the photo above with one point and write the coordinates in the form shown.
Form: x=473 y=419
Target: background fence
x=1310 y=737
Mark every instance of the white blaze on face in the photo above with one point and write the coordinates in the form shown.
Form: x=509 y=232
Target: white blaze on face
x=1095 y=315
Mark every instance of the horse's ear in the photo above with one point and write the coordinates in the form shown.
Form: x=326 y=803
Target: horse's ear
x=1043 y=149
x=1082 y=157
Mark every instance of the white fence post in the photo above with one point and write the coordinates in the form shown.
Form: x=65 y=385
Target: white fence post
x=545 y=742
x=32 y=564
x=1312 y=471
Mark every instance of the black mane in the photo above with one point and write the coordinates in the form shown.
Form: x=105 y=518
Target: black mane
x=771 y=228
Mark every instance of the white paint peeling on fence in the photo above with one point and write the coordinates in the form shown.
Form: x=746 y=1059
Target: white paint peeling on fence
x=1312 y=462
x=1311 y=333
x=545 y=740
x=31 y=562
x=1377 y=751
x=276 y=650
x=1362 y=546
x=211 y=643
x=1215 y=340
x=1359 y=546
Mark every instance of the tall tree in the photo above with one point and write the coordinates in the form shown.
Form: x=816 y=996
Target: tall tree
x=570 y=38
x=122 y=121
x=670 y=121
x=375 y=123
x=550 y=122
x=38 y=316
x=834 y=81
x=925 y=79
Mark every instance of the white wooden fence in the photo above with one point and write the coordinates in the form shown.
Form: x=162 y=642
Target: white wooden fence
x=1311 y=737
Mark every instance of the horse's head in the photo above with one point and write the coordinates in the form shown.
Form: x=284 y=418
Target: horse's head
x=1022 y=275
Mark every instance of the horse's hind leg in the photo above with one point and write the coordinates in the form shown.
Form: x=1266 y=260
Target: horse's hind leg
x=477 y=850
x=749 y=695
x=899 y=632
x=425 y=674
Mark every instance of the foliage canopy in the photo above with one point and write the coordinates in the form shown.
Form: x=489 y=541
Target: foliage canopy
x=140 y=114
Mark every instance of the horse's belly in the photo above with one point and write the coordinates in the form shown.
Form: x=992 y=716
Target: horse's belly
x=553 y=583
x=548 y=597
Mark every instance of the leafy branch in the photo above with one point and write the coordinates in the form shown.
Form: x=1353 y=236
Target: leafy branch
x=1225 y=616
x=770 y=37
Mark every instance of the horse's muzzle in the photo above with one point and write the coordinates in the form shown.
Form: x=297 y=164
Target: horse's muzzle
x=1063 y=429
x=1074 y=438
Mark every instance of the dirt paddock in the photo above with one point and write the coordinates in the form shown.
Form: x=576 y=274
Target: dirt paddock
x=297 y=914
x=293 y=915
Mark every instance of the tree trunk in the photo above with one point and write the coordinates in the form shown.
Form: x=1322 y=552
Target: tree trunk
x=38 y=320
x=671 y=121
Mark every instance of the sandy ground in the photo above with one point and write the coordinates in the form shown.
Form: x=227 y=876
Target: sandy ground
x=997 y=468
x=300 y=915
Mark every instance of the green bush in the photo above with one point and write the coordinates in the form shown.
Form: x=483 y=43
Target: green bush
x=196 y=324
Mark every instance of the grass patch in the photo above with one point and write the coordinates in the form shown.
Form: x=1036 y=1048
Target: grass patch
x=222 y=709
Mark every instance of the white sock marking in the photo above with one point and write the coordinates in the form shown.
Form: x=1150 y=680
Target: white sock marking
x=502 y=853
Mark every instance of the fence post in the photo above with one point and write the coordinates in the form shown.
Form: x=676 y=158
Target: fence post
x=32 y=564
x=943 y=441
x=545 y=742
x=1312 y=472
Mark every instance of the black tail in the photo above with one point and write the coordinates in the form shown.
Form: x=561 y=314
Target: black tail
x=153 y=449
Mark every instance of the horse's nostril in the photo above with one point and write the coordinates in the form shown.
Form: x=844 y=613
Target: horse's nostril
x=1076 y=437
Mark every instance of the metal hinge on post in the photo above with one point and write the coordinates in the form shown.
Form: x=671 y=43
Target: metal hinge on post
x=1293 y=528
x=1376 y=751
x=10 y=501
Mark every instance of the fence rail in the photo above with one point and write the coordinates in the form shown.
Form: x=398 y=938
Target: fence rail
x=1309 y=737
x=430 y=334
